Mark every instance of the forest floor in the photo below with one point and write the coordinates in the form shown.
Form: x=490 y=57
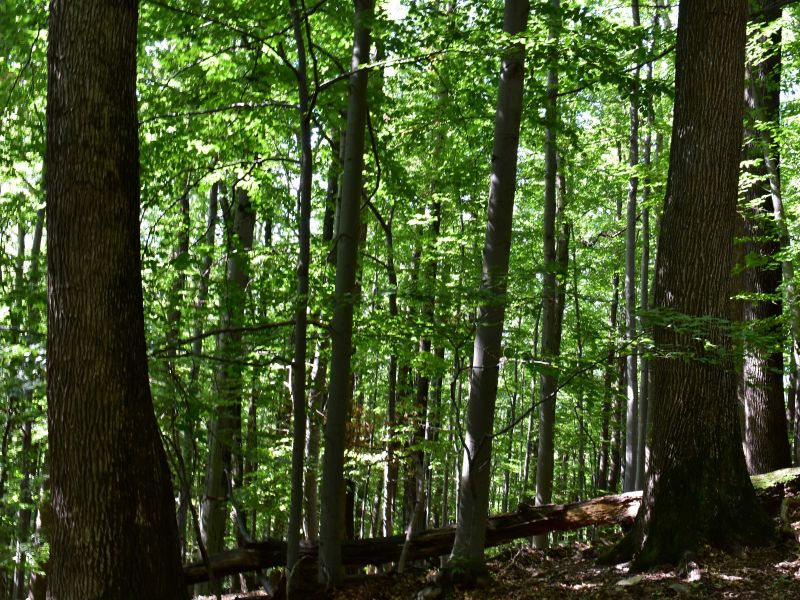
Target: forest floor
x=572 y=571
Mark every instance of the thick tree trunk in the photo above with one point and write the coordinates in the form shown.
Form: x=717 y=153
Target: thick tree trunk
x=114 y=531
x=473 y=499
x=697 y=486
x=339 y=390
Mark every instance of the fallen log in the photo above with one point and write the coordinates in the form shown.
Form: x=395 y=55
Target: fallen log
x=527 y=520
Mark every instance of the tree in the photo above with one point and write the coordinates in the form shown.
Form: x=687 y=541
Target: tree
x=697 y=486
x=555 y=266
x=114 y=533
x=473 y=497
x=631 y=372
x=301 y=313
x=225 y=427
x=766 y=442
x=340 y=389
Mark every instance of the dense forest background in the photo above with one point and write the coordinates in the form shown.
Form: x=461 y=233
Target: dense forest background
x=246 y=171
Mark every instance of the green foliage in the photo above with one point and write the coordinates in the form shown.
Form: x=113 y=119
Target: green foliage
x=217 y=107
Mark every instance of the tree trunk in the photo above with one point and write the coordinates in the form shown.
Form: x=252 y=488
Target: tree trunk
x=339 y=390
x=582 y=434
x=114 y=531
x=473 y=497
x=224 y=435
x=631 y=374
x=551 y=330
x=189 y=448
x=301 y=301
x=29 y=454
x=512 y=415
x=644 y=279
x=765 y=433
x=530 y=443
x=697 y=486
x=604 y=468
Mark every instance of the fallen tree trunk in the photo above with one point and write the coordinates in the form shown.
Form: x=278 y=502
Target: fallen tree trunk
x=527 y=520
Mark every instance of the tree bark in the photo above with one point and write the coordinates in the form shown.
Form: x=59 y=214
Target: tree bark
x=551 y=321
x=644 y=278
x=114 y=532
x=339 y=390
x=765 y=432
x=604 y=464
x=697 y=486
x=224 y=435
x=301 y=301
x=631 y=373
x=473 y=499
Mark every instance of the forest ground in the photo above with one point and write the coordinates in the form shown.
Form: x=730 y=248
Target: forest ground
x=572 y=571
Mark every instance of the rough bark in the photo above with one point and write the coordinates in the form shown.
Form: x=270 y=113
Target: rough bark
x=114 y=529
x=697 y=486
x=339 y=389
x=473 y=498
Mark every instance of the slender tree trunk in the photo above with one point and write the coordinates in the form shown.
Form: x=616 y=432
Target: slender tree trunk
x=644 y=278
x=189 y=449
x=339 y=393
x=632 y=418
x=301 y=302
x=319 y=372
x=765 y=432
x=604 y=465
x=114 y=532
x=551 y=331
x=473 y=497
x=697 y=486
x=29 y=450
x=530 y=443
x=581 y=474
x=512 y=413
x=224 y=436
